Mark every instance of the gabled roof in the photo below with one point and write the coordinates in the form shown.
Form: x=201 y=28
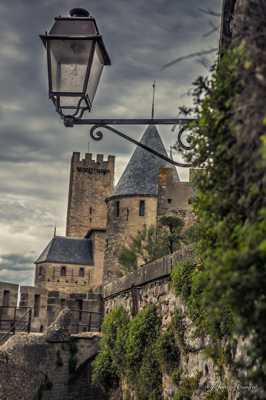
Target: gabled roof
x=67 y=250
x=142 y=172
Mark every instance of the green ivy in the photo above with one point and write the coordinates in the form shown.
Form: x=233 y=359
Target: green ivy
x=225 y=294
x=110 y=361
x=167 y=351
x=187 y=387
x=127 y=353
x=218 y=394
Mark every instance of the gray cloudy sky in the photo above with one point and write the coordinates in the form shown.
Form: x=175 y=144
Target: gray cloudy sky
x=141 y=36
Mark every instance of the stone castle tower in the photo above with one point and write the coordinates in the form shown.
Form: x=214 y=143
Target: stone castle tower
x=91 y=182
x=134 y=202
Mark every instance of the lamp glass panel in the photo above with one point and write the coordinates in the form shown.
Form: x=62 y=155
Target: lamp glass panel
x=74 y=27
x=69 y=60
x=95 y=73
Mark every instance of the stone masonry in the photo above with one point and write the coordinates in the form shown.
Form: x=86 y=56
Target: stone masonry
x=151 y=285
x=91 y=182
x=48 y=367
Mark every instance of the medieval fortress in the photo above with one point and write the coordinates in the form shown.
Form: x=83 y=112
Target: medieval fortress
x=72 y=270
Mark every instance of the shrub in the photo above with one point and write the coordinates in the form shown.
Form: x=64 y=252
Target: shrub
x=167 y=351
x=109 y=362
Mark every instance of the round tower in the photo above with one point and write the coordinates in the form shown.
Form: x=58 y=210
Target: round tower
x=134 y=201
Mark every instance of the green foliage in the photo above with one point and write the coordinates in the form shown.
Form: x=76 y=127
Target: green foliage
x=128 y=259
x=186 y=387
x=152 y=243
x=226 y=294
x=218 y=394
x=109 y=363
x=182 y=279
x=148 y=245
x=143 y=332
x=127 y=352
x=176 y=376
x=174 y=231
x=167 y=350
x=148 y=380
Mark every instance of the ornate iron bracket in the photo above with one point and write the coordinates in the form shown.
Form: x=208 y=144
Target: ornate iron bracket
x=97 y=134
x=100 y=124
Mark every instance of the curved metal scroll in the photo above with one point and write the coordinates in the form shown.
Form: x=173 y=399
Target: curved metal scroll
x=97 y=134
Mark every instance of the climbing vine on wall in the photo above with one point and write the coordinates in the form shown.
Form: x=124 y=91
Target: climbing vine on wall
x=225 y=292
x=128 y=354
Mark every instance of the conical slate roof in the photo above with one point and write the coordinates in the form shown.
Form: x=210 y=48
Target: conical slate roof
x=142 y=172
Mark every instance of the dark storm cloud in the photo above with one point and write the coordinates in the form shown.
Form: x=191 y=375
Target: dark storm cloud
x=16 y=262
x=35 y=147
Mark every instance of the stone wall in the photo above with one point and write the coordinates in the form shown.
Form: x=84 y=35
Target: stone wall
x=152 y=285
x=91 y=182
x=36 y=298
x=48 y=367
x=86 y=309
x=173 y=196
x=124 y=225
x=74 y=278
x=8 y=298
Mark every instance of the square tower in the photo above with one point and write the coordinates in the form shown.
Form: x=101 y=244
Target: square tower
x=91 y=182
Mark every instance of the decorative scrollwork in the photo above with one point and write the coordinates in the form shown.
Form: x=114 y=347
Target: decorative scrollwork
x=97 y=134
x=180 y=143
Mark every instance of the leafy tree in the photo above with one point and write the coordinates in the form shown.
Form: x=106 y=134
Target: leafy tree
x=174 y=231
x=152 y=243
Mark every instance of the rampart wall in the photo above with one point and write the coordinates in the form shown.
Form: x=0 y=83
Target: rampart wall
x=151 y=284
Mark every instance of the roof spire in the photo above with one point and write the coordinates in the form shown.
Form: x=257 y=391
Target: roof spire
x=55 y=231
x=153 y=99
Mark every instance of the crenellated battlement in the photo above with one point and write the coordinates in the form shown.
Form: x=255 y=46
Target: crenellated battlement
x=90 y=161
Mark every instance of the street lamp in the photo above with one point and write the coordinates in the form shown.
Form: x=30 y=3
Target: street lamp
x=76 y=56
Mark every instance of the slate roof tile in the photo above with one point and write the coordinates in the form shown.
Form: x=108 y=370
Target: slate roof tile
x=67 y=250
x=142 y=172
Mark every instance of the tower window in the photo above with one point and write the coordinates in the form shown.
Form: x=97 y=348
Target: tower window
x=37 y=304
x=81 y=272
x=117 y=208
x=63 y=271
x=90 y=210
x=169 y=201
x=142 y=208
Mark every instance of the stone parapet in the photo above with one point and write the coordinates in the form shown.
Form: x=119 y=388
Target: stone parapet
x=153 y=271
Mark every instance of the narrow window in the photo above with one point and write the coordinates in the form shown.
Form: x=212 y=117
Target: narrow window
x=89 y=276
x=169 y=201
x=90 y=210
x=81 y=272
x=127 y=213
x=117 y=208
x=40 y=271
x=37 y=303
x=63 y=271
x=142 y=208
x=80 y=309
x=6 y=298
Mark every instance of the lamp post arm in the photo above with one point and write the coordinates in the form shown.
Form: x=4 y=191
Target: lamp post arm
x=70 y=121
x=97 y=134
